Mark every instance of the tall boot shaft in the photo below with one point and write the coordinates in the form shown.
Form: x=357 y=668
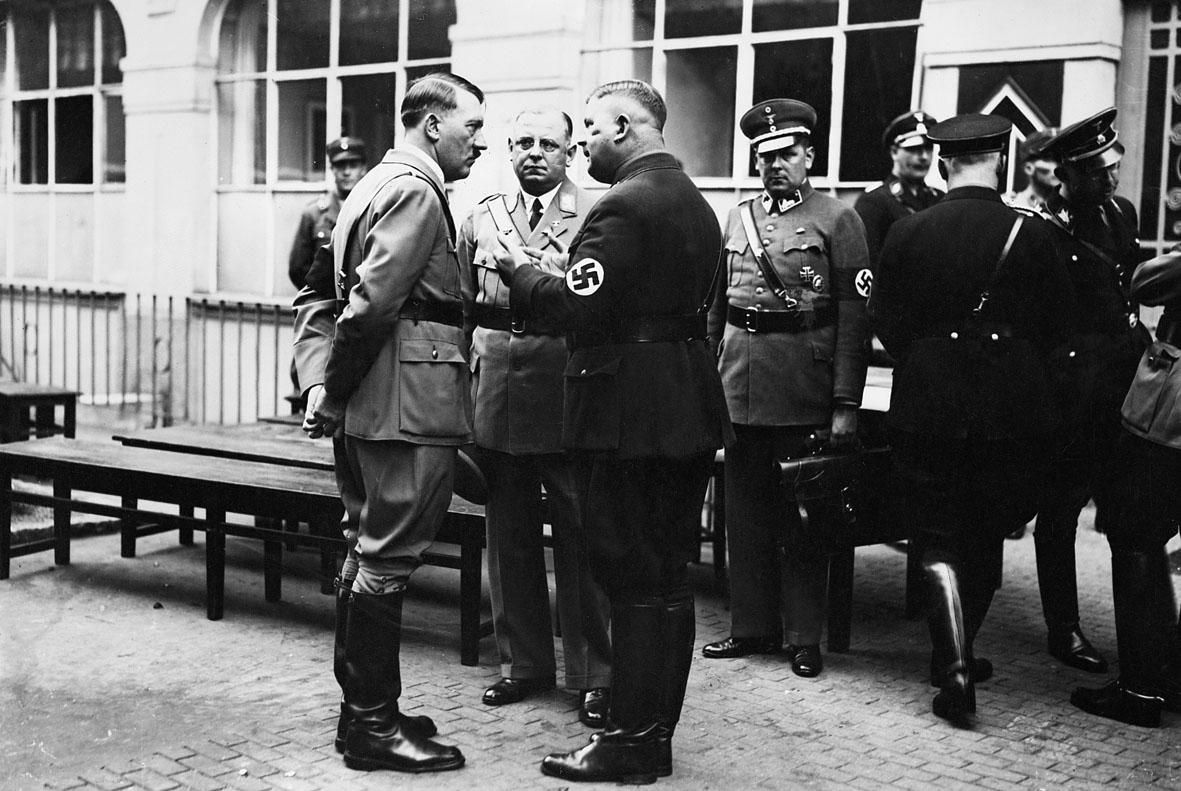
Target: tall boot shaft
x=343 y=591
x=373 y=640
x=949 y=641
x=682 y=631
x=1139 y=581
x=639 y=640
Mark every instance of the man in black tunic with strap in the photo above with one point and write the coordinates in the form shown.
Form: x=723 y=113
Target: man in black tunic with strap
x=969 y=297
x=643 y=415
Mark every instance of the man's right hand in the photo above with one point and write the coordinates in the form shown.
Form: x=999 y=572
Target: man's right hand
x=324 y=415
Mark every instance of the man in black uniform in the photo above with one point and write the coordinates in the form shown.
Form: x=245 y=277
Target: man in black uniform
x=905 y=191
x=1150 y=455
x=347 y=161
x=968 y=298
x=643 y=414
x=1097 y=241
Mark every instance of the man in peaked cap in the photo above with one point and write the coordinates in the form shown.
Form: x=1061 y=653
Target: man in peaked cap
x=347 y=161
x=789 y=318
x=905 y=191
x=1096 y=236
x=1039 y=170
x=960 y=301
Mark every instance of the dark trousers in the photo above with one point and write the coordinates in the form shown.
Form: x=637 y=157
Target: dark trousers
x=770 y=594
x=517 y=574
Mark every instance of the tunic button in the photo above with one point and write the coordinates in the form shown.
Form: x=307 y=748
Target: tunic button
x=955 y=335
x=434 y=354
x=759 y=290
x=582 y=372
x=1072 y=354
x=766 y=243
x=995 y=337
x=1074 y=258
x=759 y=273
x=770 y=227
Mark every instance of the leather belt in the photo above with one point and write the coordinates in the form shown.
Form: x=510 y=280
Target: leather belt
x=644 y=329
x=493 y=318
x=1168 y=330
x=450 y=313
x=755 y=319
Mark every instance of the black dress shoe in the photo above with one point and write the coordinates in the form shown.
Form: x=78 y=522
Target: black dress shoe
x=620 y=756
x=806 y=660
x=1116 y=702
x=1168 y=688
x=418 y=725
x=957 y=699
x=514 y=690
x=734 y=647
x=981 y=671
x=1074 y=649
x=593 y=709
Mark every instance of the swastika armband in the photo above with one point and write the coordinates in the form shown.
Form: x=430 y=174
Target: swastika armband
x=851 y=283
x=863 y=282
x=585 y=277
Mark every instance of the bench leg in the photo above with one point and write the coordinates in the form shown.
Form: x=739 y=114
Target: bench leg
x=61 y=524
x=470 y=559
x=272 y=568
x=5 y=523
x=127 y=534
x=70 y=419
x=185 y=534
x=840 y=600
x=215 y=564
x=43 y=415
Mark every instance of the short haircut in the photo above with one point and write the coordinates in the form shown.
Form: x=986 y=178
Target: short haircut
x=434 y=93
x=542 y=110
x=639 y=92
x=961 y=161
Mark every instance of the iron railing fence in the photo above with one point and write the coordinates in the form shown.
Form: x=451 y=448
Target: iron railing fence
x=159 y=359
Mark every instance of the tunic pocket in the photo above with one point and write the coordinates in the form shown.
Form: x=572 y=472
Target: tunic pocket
x=432 y=389
x=592 y=402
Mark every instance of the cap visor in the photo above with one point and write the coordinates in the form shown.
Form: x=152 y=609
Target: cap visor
x=914 y=141
x=775 y=144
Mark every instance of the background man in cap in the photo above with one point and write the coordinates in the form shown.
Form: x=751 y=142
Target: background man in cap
x=906 y=190
x=1038 y=170
x=389 y=377
x=968 y=298
x=644 y=413
x=347 y=161
x=1097 y=239
x=794 y=344
x=517 y=391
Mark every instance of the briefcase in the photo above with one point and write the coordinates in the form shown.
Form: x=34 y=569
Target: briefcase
x=840 y=501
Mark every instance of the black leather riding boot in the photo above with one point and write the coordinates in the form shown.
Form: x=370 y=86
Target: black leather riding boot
x=682 y=630
x=627 y=751
x=949 y=638
x=377 y=736
x=1058 y=583
x=978 y=582
x=1136 y=587
x=420 y=724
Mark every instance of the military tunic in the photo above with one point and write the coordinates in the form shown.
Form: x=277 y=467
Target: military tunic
x=315 y=229
x=517 y=381
x=782 y=386
x=883 y=205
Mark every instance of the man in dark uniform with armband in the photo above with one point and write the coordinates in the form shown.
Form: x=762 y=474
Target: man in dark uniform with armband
x=643 y=416
x=968 y=298
x=1097 y=239
x=793 y=346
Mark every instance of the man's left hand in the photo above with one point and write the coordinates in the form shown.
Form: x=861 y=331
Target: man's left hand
x=844 y=426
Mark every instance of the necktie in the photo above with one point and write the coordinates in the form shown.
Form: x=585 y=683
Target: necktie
x=535 y=214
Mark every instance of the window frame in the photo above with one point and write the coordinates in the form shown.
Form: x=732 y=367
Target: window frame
x=745 y=42
x=98 y=91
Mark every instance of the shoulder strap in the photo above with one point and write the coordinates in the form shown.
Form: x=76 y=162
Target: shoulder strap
x=996 y=270
x=746 y=212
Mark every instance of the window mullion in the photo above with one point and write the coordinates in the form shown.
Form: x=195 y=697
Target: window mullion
x=333 y=33
x=837 y=110
x=659 y=63
x=99 y=133
x=51 y=110
x=271 y=124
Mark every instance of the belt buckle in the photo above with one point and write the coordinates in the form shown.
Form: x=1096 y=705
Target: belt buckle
x=751 y=318
x=516 y=325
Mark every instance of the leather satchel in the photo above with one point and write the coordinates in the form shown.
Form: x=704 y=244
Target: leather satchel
x=841 y=501
x=1152 y=408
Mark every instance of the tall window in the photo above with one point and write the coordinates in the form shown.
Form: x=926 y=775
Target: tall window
x=853 y=60
x=295 y=74
x=61 y=93
x=1160 y=196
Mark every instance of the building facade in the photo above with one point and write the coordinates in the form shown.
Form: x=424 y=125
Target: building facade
x=166 y=147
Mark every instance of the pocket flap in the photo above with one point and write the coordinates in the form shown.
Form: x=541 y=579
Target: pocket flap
x=428 y=351
x=736 y=245
x=804 y=242
x=485 y=259
x=822 y=352
x=587 y=366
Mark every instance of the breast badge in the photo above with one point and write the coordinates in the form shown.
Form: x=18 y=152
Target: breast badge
x=585 y=277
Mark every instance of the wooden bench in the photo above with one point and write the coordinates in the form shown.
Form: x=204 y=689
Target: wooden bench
x=29 y=410
x=253 y=488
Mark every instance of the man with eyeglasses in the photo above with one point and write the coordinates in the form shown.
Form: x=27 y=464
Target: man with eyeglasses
x=518 y=369
x=793 y=339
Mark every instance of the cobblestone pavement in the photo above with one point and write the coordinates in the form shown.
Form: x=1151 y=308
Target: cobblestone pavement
x=112 y=678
